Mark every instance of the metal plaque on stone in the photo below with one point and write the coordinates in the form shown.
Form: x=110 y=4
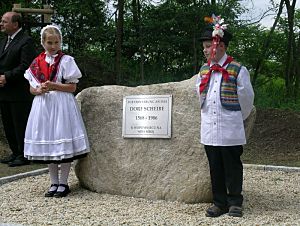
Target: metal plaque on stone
x=147 y=116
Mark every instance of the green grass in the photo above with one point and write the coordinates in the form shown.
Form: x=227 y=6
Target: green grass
x=273 y=94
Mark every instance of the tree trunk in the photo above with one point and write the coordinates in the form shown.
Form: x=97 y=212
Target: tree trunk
x=297 y=69
x=119 y=39
x=266 y=45
x=195 y=56
x=141 y=42
x=213 y=2
x=137 y=21
x=290 y=45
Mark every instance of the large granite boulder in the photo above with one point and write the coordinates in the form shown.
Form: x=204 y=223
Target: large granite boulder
x=174 y=169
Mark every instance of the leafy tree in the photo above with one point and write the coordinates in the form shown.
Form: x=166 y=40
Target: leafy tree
x=152 y=42
x=82 y=23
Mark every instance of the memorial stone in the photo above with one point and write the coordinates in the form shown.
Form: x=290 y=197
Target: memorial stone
x=173 y=169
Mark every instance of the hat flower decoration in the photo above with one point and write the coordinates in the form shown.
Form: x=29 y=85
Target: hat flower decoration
x=218 y=30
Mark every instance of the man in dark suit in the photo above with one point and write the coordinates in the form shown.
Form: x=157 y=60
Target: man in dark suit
x=16 y=54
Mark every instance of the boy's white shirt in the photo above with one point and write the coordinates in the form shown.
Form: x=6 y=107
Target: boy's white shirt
x=221 y=127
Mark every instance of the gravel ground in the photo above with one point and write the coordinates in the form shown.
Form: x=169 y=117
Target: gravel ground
x=271 y=198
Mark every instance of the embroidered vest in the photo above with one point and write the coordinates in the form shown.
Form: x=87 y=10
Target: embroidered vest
x=42 y=71
x=228 y=89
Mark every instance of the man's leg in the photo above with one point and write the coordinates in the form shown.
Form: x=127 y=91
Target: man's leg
x=20 y=112
x=8 y=127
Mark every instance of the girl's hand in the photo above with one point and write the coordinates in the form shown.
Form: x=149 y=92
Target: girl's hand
x=39 y=90
x=49 y=86
x=44 y=88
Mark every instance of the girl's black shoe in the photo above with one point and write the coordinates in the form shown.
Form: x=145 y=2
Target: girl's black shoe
x=63 y=193
x=51 y=193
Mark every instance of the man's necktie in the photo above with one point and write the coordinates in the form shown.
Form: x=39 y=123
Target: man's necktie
x=7 y=43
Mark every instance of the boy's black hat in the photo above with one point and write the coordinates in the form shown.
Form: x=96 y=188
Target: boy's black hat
x=207 y=35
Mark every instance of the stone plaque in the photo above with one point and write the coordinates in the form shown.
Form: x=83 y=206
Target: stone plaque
x=147 y=116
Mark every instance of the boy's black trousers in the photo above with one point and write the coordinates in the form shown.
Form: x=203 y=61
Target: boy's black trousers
x=226 y=171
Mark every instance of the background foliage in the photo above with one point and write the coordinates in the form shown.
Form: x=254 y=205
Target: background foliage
x=159 y=42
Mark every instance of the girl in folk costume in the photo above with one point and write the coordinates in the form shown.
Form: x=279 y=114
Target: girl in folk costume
x=226 y=99
x=55 y=132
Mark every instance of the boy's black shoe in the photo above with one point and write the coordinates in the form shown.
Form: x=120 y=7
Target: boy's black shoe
x=215 y=211
x=19 y=162
x=8 y=159
x=235 y=211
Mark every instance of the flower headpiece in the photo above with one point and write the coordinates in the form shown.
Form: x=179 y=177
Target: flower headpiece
x=218 y=25
x=218 y=30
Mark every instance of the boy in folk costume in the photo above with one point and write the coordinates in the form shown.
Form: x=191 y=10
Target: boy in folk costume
x=226 y=99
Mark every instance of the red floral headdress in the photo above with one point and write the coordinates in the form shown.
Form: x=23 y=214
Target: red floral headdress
x=218 y=31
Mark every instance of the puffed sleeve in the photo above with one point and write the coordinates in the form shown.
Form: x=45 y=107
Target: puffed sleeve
x=245 y=92
x=71 y=72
